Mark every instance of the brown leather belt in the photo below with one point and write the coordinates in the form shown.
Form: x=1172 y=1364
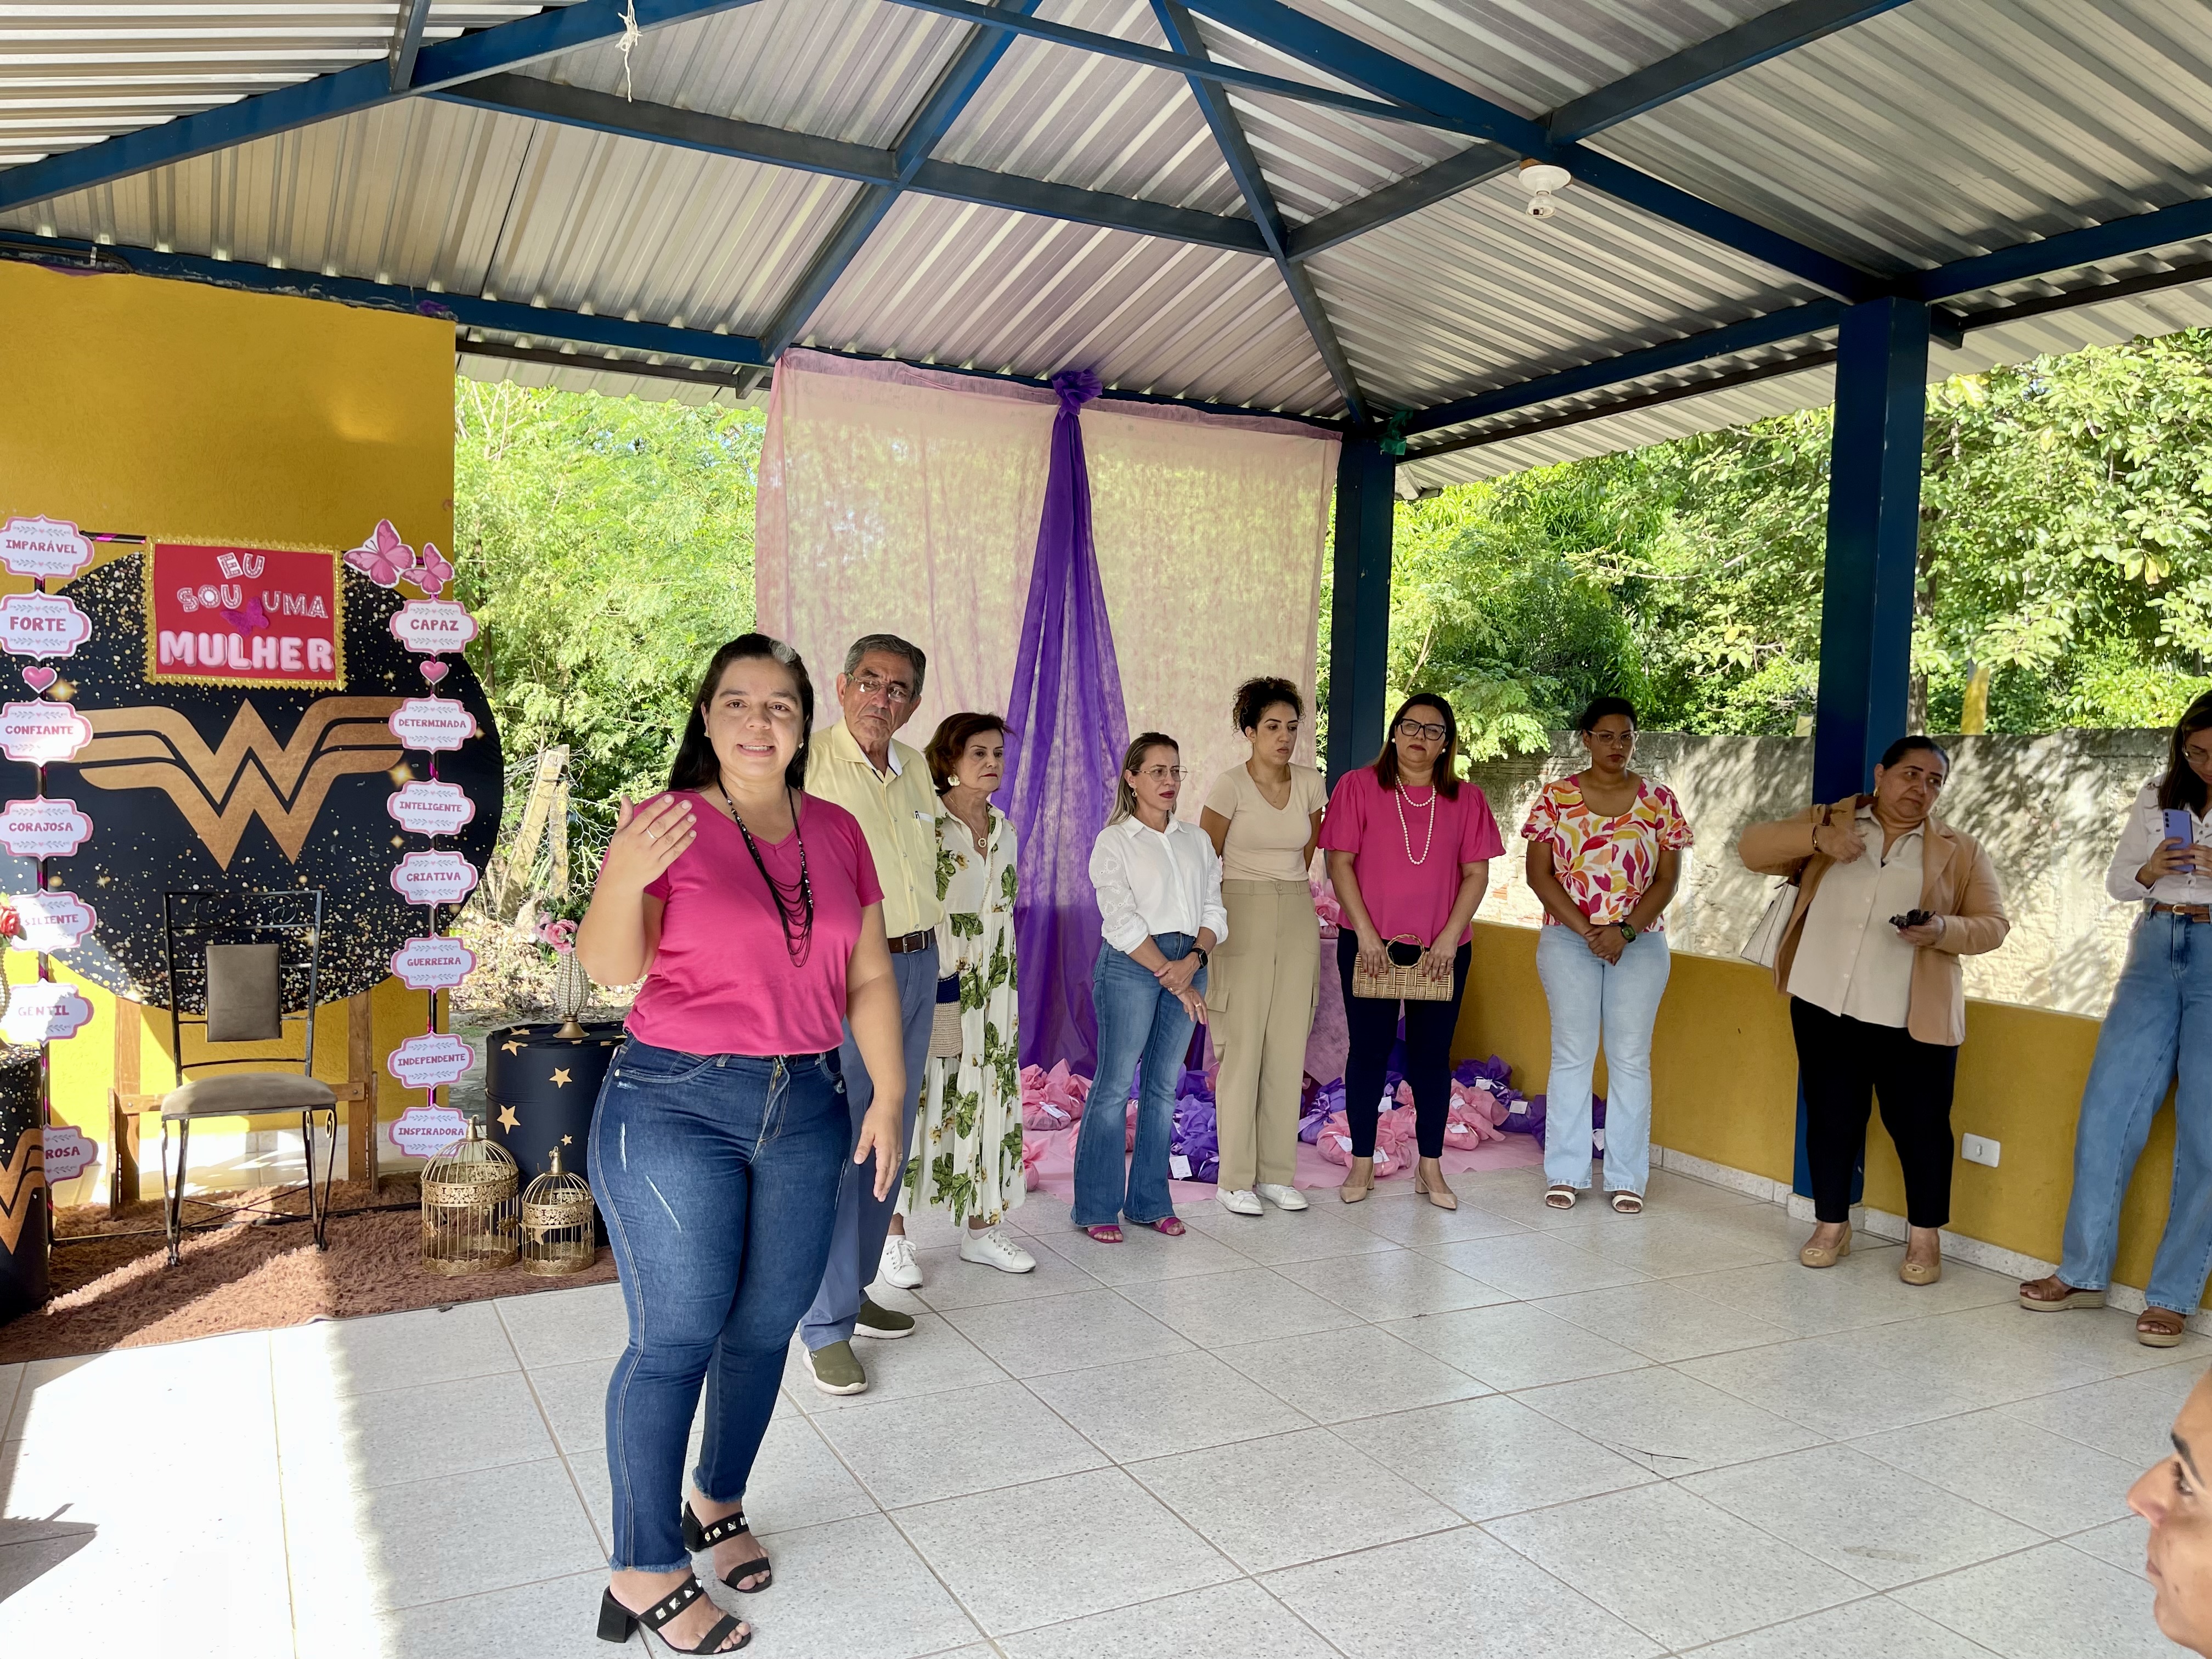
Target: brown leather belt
x=2187 y=912
x=907 y=944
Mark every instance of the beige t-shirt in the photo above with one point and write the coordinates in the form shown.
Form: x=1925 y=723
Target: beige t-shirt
x=1266 y=843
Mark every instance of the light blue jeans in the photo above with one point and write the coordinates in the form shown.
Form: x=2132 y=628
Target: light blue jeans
x=1136 y=1020
x=1621 y=1000
x=2159 y=1023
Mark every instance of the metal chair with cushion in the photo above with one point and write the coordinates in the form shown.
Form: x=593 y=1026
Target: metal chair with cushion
x=235 y=963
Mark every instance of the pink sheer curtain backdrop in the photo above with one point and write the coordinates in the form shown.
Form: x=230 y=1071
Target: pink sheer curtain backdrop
x=904 y=499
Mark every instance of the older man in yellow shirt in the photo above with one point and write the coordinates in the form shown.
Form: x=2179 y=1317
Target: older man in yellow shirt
x=860 y=764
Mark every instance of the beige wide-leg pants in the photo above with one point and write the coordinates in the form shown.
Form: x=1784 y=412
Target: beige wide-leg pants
x=1260 y=990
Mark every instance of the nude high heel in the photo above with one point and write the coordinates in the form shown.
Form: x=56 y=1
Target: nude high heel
x=1439 y=1194
x=1358 y=1180
x=1816 y=1255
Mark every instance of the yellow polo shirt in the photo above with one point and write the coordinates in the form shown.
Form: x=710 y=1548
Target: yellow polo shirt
x=898 y=814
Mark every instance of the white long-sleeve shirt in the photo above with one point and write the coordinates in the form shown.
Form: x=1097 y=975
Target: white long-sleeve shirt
x=1153 y=881
x=2140 y=836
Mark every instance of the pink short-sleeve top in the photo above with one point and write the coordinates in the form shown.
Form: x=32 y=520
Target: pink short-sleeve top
x=1406 y=847
x=722 y=980
x=1605 y=864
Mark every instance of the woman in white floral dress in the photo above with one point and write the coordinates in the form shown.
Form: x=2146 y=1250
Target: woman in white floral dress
x=966 y=1153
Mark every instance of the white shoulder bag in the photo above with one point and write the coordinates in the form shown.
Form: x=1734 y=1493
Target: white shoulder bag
x=1765 y=941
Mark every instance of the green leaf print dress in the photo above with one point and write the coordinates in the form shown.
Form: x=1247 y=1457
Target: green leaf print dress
x=967 y=1154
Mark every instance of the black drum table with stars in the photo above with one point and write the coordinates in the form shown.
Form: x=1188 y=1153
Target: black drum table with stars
x=542 y=1087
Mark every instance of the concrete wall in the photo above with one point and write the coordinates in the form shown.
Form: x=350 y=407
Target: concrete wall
x=2047 y=808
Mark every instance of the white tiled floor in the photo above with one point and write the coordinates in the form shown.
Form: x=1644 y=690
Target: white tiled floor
x=1362 y=1433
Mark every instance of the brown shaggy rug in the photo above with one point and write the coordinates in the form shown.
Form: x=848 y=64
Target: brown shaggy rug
x=111 y=1287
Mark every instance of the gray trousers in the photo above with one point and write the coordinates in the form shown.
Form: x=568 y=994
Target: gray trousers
x=856 y=1246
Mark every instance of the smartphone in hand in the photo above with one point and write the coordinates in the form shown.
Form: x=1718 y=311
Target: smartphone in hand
x=2179 y=828
x=1912 y=919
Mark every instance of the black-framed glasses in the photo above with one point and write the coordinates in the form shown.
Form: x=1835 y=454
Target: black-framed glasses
x=1411 y=728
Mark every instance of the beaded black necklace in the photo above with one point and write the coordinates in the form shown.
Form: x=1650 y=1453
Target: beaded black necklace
x=794 y=902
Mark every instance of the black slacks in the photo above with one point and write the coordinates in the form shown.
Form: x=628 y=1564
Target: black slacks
x=1843 y=1064
x=1372 y=1027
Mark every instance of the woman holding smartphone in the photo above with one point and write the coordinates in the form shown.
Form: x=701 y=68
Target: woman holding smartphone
x=2158 y=1029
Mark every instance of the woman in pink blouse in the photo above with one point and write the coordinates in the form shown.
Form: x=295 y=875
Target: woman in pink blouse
x=1604 y=852
x=1409 y=848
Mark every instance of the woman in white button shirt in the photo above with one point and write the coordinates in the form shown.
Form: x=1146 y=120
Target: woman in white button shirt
x=2158 y=1027
x=1158 y=881
x=1880 y=1008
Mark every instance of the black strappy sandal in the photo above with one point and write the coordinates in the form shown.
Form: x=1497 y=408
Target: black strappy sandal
x=617 y=1621
x=698 y=1538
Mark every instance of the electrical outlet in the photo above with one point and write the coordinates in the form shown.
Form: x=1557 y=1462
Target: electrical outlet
x=1978 y=1149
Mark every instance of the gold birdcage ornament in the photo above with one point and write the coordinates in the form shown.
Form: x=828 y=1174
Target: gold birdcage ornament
x=468 y=1206
x=559 y=1235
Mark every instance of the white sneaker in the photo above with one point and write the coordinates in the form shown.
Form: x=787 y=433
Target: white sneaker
x=1283 y=1198
x=899 y=1266
x=991 y=1249
x=1243 y=1202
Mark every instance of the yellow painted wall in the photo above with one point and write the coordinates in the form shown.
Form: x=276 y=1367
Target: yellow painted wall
x=144 y=407
x=1725 y=1088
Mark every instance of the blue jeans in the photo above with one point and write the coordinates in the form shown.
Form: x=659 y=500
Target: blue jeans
x=1619 y=1000
x=1137 y=1019
x=2159 y=1023
x=718 y=1177
x=856 y=1248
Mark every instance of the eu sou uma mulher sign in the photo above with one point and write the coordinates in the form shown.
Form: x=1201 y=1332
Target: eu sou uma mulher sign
x=243 y=615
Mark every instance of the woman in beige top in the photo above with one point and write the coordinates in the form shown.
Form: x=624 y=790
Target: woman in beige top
x=1264 y=816
x=1889 y=898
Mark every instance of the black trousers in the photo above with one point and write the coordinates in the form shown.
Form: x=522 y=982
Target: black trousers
x=1843 y=1063
x=1373 y=1023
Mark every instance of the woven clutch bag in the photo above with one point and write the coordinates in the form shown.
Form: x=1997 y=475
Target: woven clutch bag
x=1400 y=981
x=944 y=1025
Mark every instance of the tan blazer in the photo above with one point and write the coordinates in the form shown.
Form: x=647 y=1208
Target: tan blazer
x=1957 y=883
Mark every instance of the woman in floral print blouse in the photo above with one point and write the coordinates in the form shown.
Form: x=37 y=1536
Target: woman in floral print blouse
x=1604 y=853
x=966 y=1153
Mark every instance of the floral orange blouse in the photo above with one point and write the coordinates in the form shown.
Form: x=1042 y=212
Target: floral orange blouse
x=1605 y=864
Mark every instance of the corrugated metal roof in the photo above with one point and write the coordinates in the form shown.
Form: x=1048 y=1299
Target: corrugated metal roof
x=1940 y=129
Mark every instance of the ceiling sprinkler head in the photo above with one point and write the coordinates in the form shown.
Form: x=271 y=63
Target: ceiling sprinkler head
x=1541 y=180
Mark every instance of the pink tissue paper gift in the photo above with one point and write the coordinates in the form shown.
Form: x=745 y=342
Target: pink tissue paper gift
x=1054 y=1099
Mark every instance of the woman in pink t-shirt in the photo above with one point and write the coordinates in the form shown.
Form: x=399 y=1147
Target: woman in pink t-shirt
x=1409 y=848
x=751 y=911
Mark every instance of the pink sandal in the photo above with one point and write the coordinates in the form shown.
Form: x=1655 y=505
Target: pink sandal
x=1107 y=1234
x=1169 y=1226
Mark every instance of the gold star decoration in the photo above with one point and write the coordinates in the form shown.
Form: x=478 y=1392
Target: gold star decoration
x=510 y=1047
x=104 y=880
x=507 y=1118
x=561 y=1078
x=567 y=1140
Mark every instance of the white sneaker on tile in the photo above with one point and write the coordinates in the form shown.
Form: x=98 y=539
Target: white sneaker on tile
x=991 y=1249
x=899 y=1266
x=1283 y=1198
x=1242 y=1202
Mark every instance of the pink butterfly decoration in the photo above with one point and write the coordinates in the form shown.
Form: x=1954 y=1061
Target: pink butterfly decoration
x=383 y=559
x=252 y=615
x=434 y=572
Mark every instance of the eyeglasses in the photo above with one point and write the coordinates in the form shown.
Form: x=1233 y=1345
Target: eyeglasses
x=1162 y=773
x=1434 y=733
x=890 y=690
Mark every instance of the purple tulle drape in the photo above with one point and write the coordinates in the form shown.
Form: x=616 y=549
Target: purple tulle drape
x=1066 y=730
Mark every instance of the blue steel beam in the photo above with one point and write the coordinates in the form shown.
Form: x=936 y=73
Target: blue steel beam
x=1753 y=332
x=1244 y=168
x=960 y=83
x=1359 y=604
x=2137 y=234
x=714 y=135
x=406 y=44
x=1769 y=35
x=1873 y=542
x=502 y=316
x=347 y=92
x=1472 y=165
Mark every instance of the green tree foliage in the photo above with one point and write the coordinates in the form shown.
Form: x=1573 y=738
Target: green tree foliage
x=607 y=546
x=2066 y=546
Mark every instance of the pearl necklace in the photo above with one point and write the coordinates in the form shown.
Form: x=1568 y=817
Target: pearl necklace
x=1398 y=798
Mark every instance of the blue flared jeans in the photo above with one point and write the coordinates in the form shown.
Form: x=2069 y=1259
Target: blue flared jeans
x=2157 y=1032
x=1591 y=998
x=1137 y=1021
x=717 y=1176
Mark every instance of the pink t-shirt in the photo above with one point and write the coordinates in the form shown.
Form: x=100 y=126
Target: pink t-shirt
x=722 y=982
x=1407 y=852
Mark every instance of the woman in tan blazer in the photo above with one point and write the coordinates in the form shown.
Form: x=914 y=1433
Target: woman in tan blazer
x=1889 y=898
